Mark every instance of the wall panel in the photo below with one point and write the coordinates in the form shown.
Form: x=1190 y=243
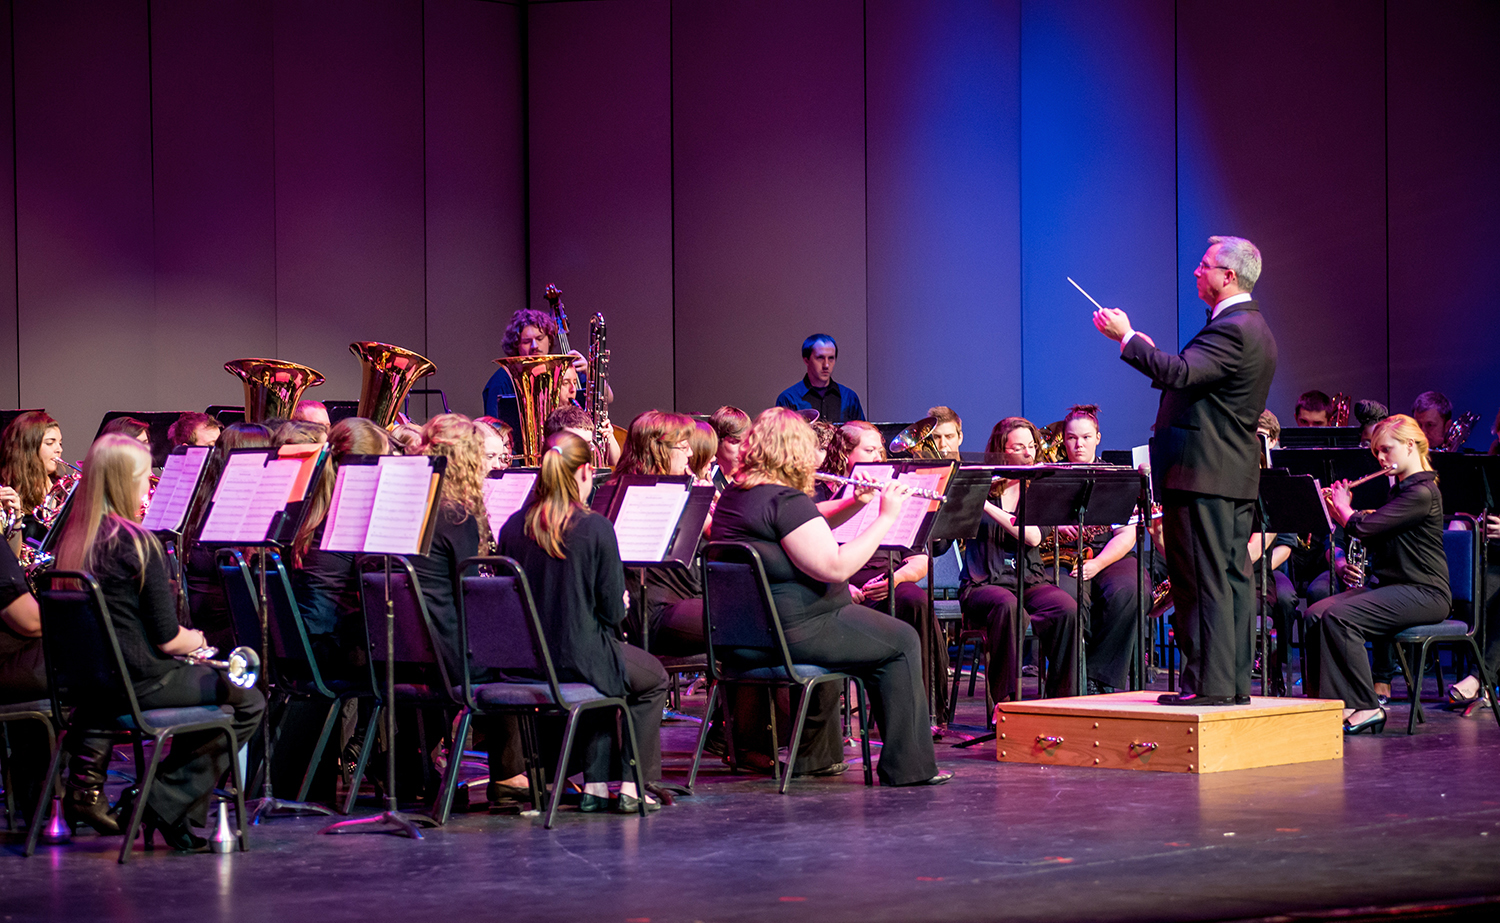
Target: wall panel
x=601 y=184
x=944 y=197
x=87 y=329
x=1444 y=85
x=10 y=375
x=1098 y=203
x=476 y=271
x=214 y=196
x=350 y=235
x=1287 y=148
x=769 y=195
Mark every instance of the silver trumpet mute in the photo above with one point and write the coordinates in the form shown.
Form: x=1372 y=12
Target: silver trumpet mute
x=243 y=664
x=223 y=839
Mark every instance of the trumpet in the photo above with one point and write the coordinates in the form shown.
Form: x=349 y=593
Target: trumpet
x=922 y=492
x=1383 y=472
x=243 y=664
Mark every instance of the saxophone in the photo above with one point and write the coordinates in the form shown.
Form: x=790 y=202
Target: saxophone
x=593 y=401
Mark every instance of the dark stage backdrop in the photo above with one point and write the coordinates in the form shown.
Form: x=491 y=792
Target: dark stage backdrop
x=194 y=182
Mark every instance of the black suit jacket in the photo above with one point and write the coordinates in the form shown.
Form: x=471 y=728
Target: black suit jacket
x=1212 y=395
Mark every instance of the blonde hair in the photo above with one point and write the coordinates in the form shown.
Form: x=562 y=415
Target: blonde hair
x=460 y=440
x=106 y=502
x=1403 y=428
x=555 y=498
x=780 y=449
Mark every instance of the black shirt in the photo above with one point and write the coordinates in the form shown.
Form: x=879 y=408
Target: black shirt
x=1405 y=536
x=455 y=538
x=19 y=655
x=989 y=558
x=142 y=610
x=580 y=597
x=327 y=588
x=762 y=516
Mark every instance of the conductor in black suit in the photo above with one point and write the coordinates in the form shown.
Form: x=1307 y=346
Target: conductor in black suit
x=1204 y=463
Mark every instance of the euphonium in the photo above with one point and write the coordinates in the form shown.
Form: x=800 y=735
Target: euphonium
x=1050 y=451
x=389 y=374
x=916 y=440
x=538 y=381
x=272 y=387
x=1458 y=431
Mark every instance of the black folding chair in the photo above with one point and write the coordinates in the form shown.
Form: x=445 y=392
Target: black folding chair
x=423 y=676
x=746 y=646
x=1461 y=547
x=503 y=635
x=38 y=710
x=92 y=694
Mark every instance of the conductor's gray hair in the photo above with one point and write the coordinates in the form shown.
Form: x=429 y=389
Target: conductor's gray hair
x=1242 y=256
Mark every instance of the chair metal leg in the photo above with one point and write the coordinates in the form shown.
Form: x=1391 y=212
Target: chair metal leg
x=1486 y=680
x=1414 y=694
x=242 y=824
x=802 y=706
x=633 y=745
x=864 y=730
x=775 y=738
x=143 y=785
x=365 y=749
x=444 y=805
x=49 y=784
x=560 y=777
x=317 y=754
x=713 y=694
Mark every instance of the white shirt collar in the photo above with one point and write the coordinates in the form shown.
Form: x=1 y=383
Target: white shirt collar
x=1230 y=302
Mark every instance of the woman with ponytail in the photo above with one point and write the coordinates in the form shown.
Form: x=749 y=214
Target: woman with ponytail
x=1408 y=571
x=103 y=537
x=572 y=562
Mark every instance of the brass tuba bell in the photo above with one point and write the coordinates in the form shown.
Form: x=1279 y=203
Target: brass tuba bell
x=272 y=387
x=538 y=381
x=389 y=374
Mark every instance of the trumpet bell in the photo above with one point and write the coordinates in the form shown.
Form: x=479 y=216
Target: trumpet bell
x=538 y=381
x=916 y=440
x=389 y=374
x=243 y=667
x=272 y=386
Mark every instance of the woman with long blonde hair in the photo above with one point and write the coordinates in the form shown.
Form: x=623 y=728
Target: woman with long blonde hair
x=103 y=537
x=1408 y=567
x=771 y=509
x=572 y=561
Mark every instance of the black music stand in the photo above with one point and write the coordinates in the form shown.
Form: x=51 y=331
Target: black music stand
x=280 y=531
x=1288 y=503
x=957 y=520
x=181 y=479
x=392 y=819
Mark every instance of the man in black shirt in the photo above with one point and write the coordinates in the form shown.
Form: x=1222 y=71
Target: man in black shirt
x=817 y=390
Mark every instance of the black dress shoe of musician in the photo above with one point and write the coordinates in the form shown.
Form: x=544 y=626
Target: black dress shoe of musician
x=1193 y=699
x=593 y=804
x=1242 y=700
x=89 y=806
x=179 y=836
x=1375 y=724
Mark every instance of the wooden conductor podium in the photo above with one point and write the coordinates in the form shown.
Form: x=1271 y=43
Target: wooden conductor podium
x=1129 y=730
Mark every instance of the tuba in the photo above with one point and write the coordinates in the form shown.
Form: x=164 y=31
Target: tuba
x=916 y=440
x=389 y=374
x=538 y=381
x=272 y=387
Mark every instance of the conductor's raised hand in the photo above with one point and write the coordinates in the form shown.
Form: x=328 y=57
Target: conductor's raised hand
x=1112 y=322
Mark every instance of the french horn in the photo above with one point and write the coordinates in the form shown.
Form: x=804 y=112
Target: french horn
x=272 y=386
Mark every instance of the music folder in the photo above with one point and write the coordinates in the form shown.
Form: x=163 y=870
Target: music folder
x=658 y=518
x=506 y=490
x=262 y=495
x=175 y=489
x=384 y=504
x=910 y=531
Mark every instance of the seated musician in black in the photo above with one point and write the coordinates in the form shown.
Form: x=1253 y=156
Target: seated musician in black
x=1408 y=575
x=1466 y=692
x=23 y=678
x=988 y=580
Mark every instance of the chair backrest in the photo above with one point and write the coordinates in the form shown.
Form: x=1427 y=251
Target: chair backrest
x=415 y=644
x=739 y=613
x=501 y=628
x=1462 y=551
x=242 y=598
x=288 y=633
x=85 y=668
x=945 y=574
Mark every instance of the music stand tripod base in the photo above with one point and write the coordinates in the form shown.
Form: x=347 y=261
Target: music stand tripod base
x=384 y=822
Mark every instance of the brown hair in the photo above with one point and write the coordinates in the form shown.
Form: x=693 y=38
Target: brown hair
x=128 y=426
x=1403 y=428
x=182 y=429
x=106 y=502
x=996 y=446
x=845 y=440
x=730 y=422
x=20 y=456
x=649 y=442
x=349 y=436
x=555 y=498
x=528 y=317
x=460 y=440
x=704 y=444
x=299 y=432
x=780 y=449
x=941 y=414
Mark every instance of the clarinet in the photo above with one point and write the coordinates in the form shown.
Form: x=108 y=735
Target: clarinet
x=593 y=401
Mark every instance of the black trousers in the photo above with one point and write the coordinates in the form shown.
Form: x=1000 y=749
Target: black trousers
x=1283 y=607
x=913 y=609
x=1054 y=619
x=677 y=628
x=186 y=777
x=1492 y=617
x=1339 y=626
x=1112 y=626
x=1207 y=541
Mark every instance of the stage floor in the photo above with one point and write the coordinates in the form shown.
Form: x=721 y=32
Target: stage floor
x=1400 y=821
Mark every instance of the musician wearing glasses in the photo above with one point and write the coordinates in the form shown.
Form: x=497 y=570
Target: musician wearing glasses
x=817 y=390
x=1205 y=461
x=988 y=579
x=1408 y=575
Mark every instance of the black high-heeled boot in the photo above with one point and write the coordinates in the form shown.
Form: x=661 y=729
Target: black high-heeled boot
x=179 y=836
x=84 y=802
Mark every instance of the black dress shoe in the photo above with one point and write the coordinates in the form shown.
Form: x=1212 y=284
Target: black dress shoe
x=179 y=836
x=89 y=806
x=938 y=779
x=1242 y=700
x=1193 y=698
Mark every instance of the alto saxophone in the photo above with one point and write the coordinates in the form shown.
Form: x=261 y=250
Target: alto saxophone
x=593 y=400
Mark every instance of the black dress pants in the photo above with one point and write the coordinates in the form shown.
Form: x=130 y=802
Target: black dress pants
x=1492 y=617
x=677 y=628
x=1207 y=541
x=1339 y=626
x=1112 y=606
x=186 y=776
x=1054 y=619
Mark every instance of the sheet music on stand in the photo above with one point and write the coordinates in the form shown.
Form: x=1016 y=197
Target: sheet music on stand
x=505 y=492
x=909 y=533
x=261 y=495
x=384 y=504
x=657 y=518
x=174 y=491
